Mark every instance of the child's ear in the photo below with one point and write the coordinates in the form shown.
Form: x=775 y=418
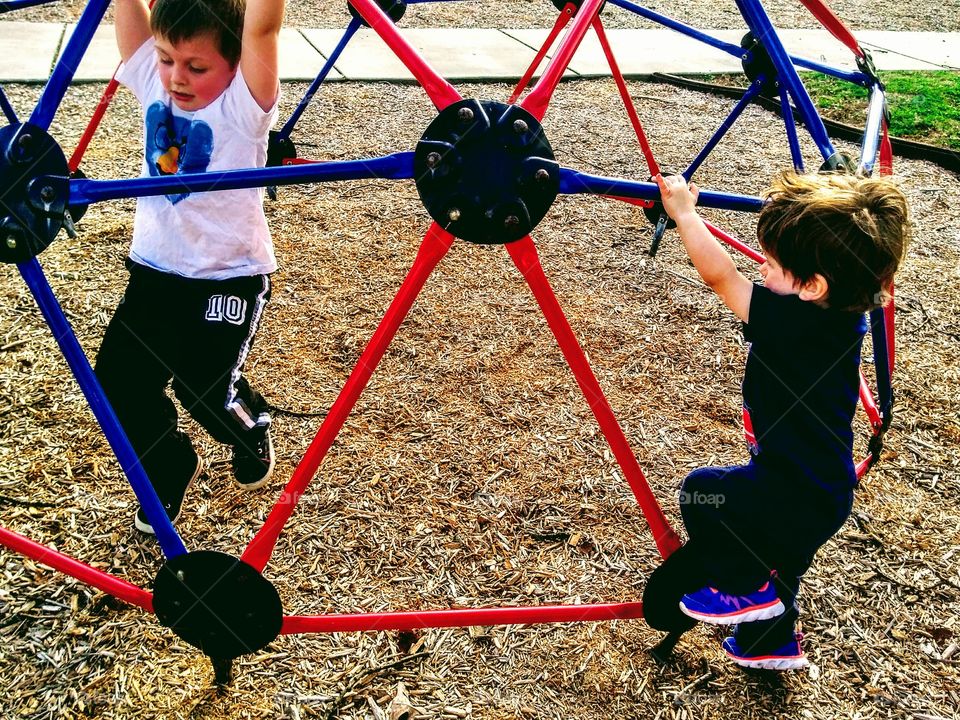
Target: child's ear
x=815 y=289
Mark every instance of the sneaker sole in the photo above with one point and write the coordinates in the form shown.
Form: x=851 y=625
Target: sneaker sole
x=763 y=612
x=262 y=481
x=771 y=663
x=147 y=527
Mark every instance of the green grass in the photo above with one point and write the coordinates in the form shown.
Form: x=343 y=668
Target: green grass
x=924 y=106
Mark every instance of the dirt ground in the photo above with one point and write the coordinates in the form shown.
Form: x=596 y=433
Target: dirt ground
x=471 y=472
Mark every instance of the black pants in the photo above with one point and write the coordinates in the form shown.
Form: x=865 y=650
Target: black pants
x=196 y=333
x=743 y=522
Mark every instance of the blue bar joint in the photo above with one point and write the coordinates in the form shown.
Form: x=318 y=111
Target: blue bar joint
x=855 y=77
x=6 y=7
x=354 y=25
x=170 y=542
x=573 y=182
x=679 y=27
x=398 y=166
x=68 y=63
x=741 y=105
x=790 y=125
x=762 y=29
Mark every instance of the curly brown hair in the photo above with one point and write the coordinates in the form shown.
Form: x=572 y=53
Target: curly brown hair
x=178 y=20
x=852 y=230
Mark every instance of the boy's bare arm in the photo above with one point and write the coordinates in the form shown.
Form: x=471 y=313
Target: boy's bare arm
x=132 y=18
x=713 y=263
x=258 y=58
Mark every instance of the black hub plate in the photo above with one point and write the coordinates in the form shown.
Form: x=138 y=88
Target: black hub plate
x=34 y=187
x=279 y=149
x=486 y=172
x=393 y=8
x=561 y=4
x=759 y=63
x=217 y=603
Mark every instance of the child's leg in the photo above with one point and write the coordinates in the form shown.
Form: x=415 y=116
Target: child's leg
x=722 y=509
x=811 y=517
x=679 y=574
x=134 y=366
x=768 y=635
x=223 y=319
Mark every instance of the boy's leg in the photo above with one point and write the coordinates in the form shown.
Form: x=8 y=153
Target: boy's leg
x=679 y=574
x=794 y=538
x=133 y=367
x=223 y=319
x=722 y=508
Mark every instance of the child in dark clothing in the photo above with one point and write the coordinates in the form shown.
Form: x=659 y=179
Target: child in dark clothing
x=832 y=244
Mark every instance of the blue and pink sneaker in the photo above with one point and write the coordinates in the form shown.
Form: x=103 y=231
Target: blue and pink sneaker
x=788 y=657
x=709 y=605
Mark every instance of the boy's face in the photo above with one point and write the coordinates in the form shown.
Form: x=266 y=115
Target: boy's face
x=778 y=280
x=193 y=71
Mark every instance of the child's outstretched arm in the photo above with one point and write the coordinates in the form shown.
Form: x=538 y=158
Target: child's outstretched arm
x=132 y=18
x=712 y=262
x=258 y=54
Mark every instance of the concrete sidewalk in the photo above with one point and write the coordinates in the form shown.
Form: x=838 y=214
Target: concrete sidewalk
x=29 y=50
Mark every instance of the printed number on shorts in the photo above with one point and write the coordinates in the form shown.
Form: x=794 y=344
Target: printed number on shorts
x=226 y=307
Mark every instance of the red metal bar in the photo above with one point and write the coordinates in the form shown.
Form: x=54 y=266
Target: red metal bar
x=563 y=18
x=832 y=23
x=94 y=123
x=868 y=402
x=441 y=92
x=74 y=568
x=434 y=247
x=524 y=255
x=886 y=151
x=461 y=618
x=734 y=243
x=886 y=168
x=536 y=102
x=625 y=94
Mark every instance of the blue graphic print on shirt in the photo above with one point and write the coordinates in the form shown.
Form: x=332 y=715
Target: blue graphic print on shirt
x=176 y=145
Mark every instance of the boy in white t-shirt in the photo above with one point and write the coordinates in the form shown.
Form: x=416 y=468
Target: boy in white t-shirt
x=205 y=73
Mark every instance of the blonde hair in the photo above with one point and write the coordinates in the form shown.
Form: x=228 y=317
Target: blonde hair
x=852 y=230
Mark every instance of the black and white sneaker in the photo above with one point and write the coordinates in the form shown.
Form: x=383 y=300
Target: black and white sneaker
x=171 y=495
x=252 y=467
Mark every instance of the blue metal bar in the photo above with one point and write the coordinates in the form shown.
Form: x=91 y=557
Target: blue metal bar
x=355 y=24
x=680 y=27
x=6 y=7
x=573 y=182
x=857 y=78
x=170 y=541
x=871 y=134
x=741 y=105
x=398 y=166
x=7 y=108
x=790 y=124
x=68 y=63
x=762 y=29
x=881 y=362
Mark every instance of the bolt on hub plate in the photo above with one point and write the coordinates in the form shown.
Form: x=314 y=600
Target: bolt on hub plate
x=486 y=172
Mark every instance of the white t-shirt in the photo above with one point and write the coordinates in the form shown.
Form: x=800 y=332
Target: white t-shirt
x=213 y=235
